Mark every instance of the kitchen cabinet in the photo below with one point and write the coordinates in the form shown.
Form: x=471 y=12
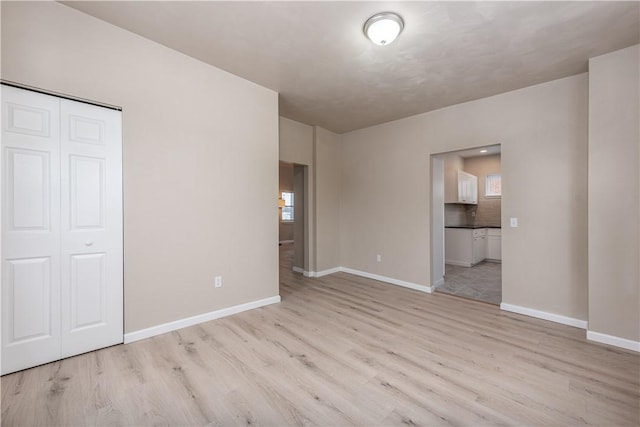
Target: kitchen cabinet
x=464 y=246
x=452 y=164
x=479 y=246
x=467 y=188
x=459 y=186
x=494 y=244
x=467 y=247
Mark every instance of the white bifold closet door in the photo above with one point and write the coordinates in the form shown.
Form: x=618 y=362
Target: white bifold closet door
x=62 y=278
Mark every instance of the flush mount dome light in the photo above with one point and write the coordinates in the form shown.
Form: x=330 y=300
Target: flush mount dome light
x=383 y=28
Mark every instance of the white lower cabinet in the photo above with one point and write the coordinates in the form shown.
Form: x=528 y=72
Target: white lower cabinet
x=466 y=247
x=494 y=244
x=479 y=249
x=458 y=248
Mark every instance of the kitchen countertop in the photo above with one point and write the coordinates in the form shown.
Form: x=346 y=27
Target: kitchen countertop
x=472 y=226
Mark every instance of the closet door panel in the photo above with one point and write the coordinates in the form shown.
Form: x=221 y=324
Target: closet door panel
x=91 y=165
x=28 y=185
x=30 y=229
x=88 y=291
x=61 y=259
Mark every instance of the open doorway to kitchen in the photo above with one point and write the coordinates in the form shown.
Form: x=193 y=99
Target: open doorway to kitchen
x=466 y=225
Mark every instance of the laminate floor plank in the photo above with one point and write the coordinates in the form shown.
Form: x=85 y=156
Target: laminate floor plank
x=340 y=350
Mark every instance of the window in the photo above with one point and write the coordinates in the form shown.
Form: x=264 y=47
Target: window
x=287 y=209
x=493 y=187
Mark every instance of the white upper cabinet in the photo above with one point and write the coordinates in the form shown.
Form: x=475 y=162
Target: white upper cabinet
x=467 y=188
x=452 y=164
x=459 y=186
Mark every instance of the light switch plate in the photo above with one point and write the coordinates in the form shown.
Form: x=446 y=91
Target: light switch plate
x=514 y=222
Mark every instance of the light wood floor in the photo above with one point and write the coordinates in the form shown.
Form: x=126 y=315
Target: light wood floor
x=341 y=350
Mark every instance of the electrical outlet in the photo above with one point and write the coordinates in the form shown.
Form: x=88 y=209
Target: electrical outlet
x=379 y=258
x=218 y=281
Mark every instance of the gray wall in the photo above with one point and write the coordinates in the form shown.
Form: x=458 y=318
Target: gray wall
x=300 y=235
x=186 y=138
x=328 y=179
x=319 y=150
x=542 y=130
x=296 y=146
x=614 y=187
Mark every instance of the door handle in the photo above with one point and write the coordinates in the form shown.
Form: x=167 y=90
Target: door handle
x=88 y=243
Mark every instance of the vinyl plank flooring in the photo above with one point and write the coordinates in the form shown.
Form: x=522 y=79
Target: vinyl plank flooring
x=340 y=350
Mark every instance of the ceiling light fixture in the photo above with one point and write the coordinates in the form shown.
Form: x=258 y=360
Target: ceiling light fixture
x=483 y=151
x=383 y=28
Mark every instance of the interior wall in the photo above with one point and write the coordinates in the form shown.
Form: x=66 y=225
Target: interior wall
x=458 y=214
x=488 y=209
x=327 y=215
x=614 y=185
x=296 y=146
x=186 y=138
x=542 y=130
x=300 y=177
x=437 y=220
x=285 y=183
x=319 y=150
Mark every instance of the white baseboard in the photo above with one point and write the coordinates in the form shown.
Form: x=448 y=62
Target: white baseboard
x=194 y=320
x=393 y=281
x=397 y=282
x=459 y=263
x=582 y=324
x=437 y=283
x=325 y=272
x=614 y=341
x=306 y=273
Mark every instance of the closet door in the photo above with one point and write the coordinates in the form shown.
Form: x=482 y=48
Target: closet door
x=91 y=244
x=62 y=281
x=30 y=229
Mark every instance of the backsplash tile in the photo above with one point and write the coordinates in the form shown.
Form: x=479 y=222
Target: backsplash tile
x=486 y=212
x=489 y=212
x=454 y=214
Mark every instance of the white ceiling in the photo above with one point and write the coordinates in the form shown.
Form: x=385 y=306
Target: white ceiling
x=477 y=152
x=328 y=74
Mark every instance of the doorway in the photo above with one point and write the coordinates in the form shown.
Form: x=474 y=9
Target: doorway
x=293 y=217
x=466 y=225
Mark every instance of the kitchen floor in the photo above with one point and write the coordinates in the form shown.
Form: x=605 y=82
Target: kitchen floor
x=482 y=282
